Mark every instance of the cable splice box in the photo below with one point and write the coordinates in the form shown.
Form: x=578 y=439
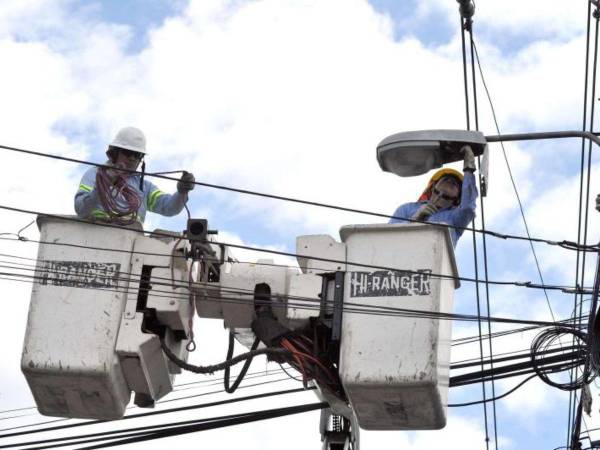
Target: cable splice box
x=395 y=368
x=86 y=346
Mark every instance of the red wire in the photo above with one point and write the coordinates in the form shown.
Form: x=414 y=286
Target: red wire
x=287 y=345
x=120 y=200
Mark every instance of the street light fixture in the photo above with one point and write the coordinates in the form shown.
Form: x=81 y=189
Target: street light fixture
x=414 y=153
x=417 y=152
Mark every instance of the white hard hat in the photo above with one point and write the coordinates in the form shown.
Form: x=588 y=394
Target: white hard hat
x=130 y=138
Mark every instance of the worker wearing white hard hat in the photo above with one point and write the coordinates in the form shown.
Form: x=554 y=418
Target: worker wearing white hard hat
x=117 y=195
x=448 y=198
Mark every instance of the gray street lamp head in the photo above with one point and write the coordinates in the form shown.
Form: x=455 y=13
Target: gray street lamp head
x=417 y=152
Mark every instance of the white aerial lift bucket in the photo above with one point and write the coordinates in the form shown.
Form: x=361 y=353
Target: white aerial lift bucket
x=85 y=348
x=395 y=368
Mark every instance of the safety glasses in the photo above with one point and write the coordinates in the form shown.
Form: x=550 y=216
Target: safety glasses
x=444 y=195
x=131 y=154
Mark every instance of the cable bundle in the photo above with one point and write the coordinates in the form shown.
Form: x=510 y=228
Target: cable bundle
x=550 y=337
x=595 y=346
x=120 y=200
x=303 y=357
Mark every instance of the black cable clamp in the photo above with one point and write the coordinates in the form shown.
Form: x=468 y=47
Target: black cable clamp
x=596 y=12
x=467 y=10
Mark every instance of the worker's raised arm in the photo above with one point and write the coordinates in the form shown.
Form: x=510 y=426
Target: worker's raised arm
x=465 y=212
x=165 y=204
x=466 y=209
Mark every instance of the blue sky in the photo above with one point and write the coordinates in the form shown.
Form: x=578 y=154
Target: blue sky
x=291 y=98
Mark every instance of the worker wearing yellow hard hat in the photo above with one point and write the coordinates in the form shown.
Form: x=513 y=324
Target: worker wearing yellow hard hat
x=449 y=197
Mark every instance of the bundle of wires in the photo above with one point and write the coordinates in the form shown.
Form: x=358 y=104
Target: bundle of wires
x=595 y=345
x=304 y=357
x=119 y=199
x=551 y=337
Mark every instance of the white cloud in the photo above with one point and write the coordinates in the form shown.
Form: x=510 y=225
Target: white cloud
x=549 y=19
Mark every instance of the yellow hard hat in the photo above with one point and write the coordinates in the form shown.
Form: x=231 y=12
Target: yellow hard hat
x=445 y=172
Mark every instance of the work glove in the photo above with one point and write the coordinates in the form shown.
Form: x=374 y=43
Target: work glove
x=185 y=183
x=598 y=203
x=425 y=211
x=469 y=159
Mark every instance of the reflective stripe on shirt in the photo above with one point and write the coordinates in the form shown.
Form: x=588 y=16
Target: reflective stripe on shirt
x=99 y=214
x=153 y=197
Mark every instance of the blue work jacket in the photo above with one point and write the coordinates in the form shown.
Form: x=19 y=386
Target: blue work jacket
x=459 y=216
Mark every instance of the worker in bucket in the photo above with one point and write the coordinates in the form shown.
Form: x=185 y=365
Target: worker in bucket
x=448 y=198
x=111 y=194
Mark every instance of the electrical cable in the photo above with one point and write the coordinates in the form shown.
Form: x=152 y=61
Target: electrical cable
x=476 y=53
x=467 y=23
x=492 y=399
x=231 y=389
x=472 y=339
x=358 y=308
x=581 y=176
x=522 y=355
x=260 y=415
x=269 y=351
x=315 y=301
x=179 y=387
x=549 y=364
x=548 y=337
x=161 y=402
x=577 y=409
x=566 y=244
x=139 y=434
x=459 y=380
x=119 y=200
x=512 y=180
x=154 y=413
x=526 y=284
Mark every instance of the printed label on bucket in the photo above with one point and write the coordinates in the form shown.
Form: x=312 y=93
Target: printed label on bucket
x=390 y=283
x=80 y=274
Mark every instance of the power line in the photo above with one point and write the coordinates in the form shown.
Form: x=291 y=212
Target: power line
x=460 y=380
x=357 y=308
x=211 y=381
x=570 y=245
x=527 y=284
x=139 y=434
x=493 y=399
x=581 y=176
x=154 y=413
x=576 y=412
x=173 y=283
x=512 y=180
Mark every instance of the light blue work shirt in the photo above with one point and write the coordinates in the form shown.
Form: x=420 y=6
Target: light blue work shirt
x=89 y=206
x=458 y=216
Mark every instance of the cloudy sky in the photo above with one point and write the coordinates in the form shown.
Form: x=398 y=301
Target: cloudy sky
x=291 y=97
